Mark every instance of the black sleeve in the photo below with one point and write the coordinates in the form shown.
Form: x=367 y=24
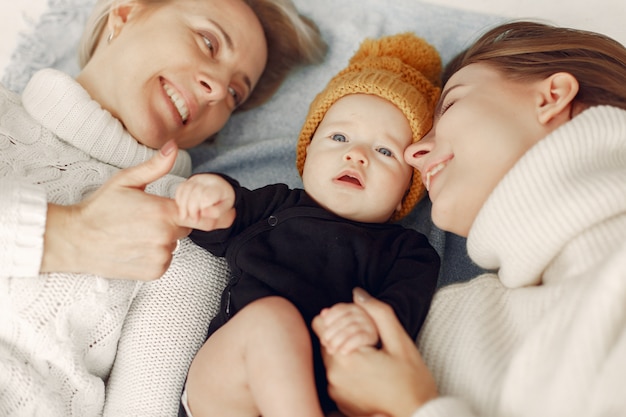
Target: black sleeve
x=250 y=207
x=411 y=281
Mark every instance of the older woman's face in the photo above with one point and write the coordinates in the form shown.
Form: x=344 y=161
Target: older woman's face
x=176 y=69
x=483 y=125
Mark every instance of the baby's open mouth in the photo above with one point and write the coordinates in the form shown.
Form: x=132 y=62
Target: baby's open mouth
x=350 y=179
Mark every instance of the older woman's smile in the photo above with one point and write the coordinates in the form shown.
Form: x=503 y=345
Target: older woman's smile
x=177 y=100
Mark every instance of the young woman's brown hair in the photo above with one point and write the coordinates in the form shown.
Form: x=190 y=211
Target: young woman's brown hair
x=528 y=50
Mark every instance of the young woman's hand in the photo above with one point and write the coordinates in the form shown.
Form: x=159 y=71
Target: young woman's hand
x=206 y=202
x=391 y=381
x=120 y=231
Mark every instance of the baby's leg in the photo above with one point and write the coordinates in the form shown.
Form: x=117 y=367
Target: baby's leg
x=259 y=363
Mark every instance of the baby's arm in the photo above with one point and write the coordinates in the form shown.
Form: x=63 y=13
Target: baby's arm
x=206 y=202
x=346 y=327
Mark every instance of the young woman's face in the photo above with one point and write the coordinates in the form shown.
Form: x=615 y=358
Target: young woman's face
x=483 y=125
x=354 y=165
x=177 y=69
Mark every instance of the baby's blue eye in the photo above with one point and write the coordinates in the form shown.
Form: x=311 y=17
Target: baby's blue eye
x=384 y=151
x=338 y=137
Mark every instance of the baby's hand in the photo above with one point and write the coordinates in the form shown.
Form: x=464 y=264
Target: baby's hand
x=205 y=202
x=345 y=327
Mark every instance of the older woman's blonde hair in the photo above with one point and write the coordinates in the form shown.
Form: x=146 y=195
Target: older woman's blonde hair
x=292 y=40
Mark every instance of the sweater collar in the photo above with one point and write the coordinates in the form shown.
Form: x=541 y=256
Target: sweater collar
x=62 y=105
x=568 y=183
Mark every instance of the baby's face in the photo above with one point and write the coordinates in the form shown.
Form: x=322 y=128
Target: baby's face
x=355 y=165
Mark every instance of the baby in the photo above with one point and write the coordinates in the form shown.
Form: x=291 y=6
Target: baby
x=295 y=252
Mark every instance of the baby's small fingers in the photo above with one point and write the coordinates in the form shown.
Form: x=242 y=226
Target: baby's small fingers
x=336 y=312
x=347 y=328
x=356 y=341
x=350 y=338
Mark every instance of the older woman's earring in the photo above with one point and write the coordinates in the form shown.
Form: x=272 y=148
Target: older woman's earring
x=110 y=38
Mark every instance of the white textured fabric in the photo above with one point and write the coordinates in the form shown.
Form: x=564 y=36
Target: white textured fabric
x=547 y=335
x=22 y=223
x=59 y=333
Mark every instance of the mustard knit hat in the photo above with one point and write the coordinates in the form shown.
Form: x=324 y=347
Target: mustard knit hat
x=403 y=69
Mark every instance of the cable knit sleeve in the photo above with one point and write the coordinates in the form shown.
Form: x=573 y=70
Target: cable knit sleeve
x=23 y=210
x=166 y=325
x=444 y=407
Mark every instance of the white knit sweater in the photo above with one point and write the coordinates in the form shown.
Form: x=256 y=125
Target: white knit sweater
x=68 y=341
x=547 y=335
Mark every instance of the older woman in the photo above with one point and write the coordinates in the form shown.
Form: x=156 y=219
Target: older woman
x=158 y=74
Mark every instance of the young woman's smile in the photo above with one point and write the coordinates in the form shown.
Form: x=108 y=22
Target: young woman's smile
x=483 y=125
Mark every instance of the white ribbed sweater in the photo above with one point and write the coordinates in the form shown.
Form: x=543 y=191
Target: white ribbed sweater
x=547 y=335
x=59 y=333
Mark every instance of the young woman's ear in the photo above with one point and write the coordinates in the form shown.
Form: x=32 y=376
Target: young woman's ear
x=556 y=96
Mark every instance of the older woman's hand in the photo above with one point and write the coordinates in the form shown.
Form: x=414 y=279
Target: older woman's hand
x=120 y=231
x=392 y=381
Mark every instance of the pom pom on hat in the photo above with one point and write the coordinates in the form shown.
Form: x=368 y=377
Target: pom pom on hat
x=403 y=69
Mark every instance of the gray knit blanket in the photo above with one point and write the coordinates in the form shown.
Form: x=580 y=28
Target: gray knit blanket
x=258 y=147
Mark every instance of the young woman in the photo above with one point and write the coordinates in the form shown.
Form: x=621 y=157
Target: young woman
x=158 y=74
x=527 y=158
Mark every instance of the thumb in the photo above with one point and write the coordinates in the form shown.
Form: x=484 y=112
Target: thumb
x=390 y=330
x=143 y=174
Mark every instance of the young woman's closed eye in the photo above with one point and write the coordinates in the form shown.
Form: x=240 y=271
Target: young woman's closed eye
x=444 y=108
